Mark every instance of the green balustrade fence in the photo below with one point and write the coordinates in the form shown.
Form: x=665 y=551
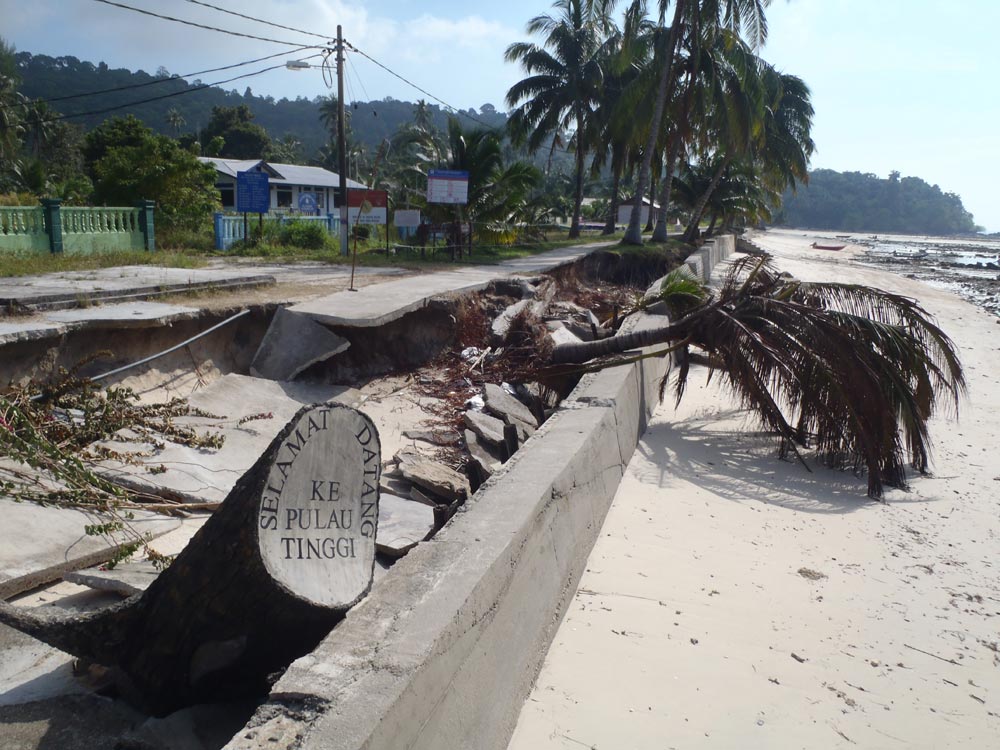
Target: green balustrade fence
x=54 y=229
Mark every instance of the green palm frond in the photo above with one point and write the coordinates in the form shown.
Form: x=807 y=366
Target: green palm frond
x=851 y=371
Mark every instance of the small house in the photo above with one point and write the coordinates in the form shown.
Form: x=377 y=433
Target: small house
x=294 y=189
x=625 y=210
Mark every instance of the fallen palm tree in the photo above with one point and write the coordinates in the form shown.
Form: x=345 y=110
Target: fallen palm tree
x=850 y=371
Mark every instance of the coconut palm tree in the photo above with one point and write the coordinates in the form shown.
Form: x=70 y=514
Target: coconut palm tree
x=564 y=82
x=851 y=371
x=497 y=191
x=772 y=133
x=621 y=111
x=693 y=20
x=12 y=109
x=175 y=120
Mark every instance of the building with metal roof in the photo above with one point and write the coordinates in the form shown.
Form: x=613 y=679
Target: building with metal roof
x=294 y=188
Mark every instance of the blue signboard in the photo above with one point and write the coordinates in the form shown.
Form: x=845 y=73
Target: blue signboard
x=307 y=202
x=253 y=193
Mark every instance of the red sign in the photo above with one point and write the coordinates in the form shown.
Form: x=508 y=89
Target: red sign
x=376 y=198
x=367 y=207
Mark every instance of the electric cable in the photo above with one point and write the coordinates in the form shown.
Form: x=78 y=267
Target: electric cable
x=157 y=81
x=190 y=90
x=198 y=25
x=258 y=20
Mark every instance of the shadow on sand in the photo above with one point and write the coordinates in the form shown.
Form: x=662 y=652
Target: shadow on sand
x=741 y=464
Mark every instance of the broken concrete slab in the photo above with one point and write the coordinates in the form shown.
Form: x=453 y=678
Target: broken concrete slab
x=507 y=407
x=292 y=343
x=500 y=326
x=14 y=331
x=207 y=475
x=123 y=315
x=379 y=304
x=402 y=524
x=434 y=476
x=434 y=438
x=126 y=578
x=482 y=456
x=39 y=544
x=120 y=283
x=490 y=429
x=563 y=335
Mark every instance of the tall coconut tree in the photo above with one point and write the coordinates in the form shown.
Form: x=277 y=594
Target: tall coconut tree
x=746 y=17
x=496 y=190
x=175 y=120
x=851 y=371
x=563 y=84
x=777 y=140
x=620 y=112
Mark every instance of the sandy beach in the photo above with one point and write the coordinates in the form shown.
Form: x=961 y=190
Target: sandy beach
x=737 y=600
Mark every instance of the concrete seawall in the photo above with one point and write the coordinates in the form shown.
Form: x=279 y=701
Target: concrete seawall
x=445 y=649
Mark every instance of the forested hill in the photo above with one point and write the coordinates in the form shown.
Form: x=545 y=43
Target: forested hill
x=45 y=77
x=861 y=202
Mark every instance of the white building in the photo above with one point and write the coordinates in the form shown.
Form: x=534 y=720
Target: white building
x=625 y=211
x=288 y=183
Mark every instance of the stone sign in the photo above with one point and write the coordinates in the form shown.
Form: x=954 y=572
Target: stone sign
x=318 y=510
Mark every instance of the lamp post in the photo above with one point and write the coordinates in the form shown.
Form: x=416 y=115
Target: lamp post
x=341 y=135
x=341 y=142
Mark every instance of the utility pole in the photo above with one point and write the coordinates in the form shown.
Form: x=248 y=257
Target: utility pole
x=342 y=142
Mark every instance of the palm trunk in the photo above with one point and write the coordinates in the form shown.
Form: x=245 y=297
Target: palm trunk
x=586 y=350
x=654 y=176
x=660 y=232
x=699 y=210
x=617 y=163
x=633 y=236
x=711 y=225
x=574 y=230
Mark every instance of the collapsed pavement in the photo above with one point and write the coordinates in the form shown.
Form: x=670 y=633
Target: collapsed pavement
x=493 y=454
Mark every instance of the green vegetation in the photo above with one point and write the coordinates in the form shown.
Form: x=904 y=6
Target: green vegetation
x=692 y=97
x=853 y=372
x=128 y=161
x=856 y=202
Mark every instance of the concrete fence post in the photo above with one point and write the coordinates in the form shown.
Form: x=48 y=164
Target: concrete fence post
x=146 y=224
x=53 y=223
x=217 y=225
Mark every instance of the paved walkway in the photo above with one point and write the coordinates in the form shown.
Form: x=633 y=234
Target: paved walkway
x=379 y=304
x=121 y=292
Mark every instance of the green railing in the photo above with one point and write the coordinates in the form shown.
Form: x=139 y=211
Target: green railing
x=22 y=229
x=52 y=228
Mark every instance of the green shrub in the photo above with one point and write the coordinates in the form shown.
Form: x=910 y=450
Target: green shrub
x=311 y=235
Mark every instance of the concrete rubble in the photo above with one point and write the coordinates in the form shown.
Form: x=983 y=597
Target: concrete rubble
x=433 y=476
x=292 y=343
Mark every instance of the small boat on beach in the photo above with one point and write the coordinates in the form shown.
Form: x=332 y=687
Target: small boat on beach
x=827 y=247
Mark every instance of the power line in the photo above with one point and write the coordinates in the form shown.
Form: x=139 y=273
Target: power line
x=168 y=96
x=259 y=20
x=157 y=81
x=198 y=25
x=423 y=91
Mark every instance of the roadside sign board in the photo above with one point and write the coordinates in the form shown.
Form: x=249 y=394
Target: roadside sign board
x=253 y=193
x=406 y=218
x=307 y=203
x=367 y=206
x=447 y=186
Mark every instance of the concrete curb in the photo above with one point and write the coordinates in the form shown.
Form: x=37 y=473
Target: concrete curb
x=444 y=651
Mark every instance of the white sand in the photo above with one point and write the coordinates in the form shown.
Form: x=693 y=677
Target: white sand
x=696 y=597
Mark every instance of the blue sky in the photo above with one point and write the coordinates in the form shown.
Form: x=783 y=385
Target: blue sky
x=907 y=85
